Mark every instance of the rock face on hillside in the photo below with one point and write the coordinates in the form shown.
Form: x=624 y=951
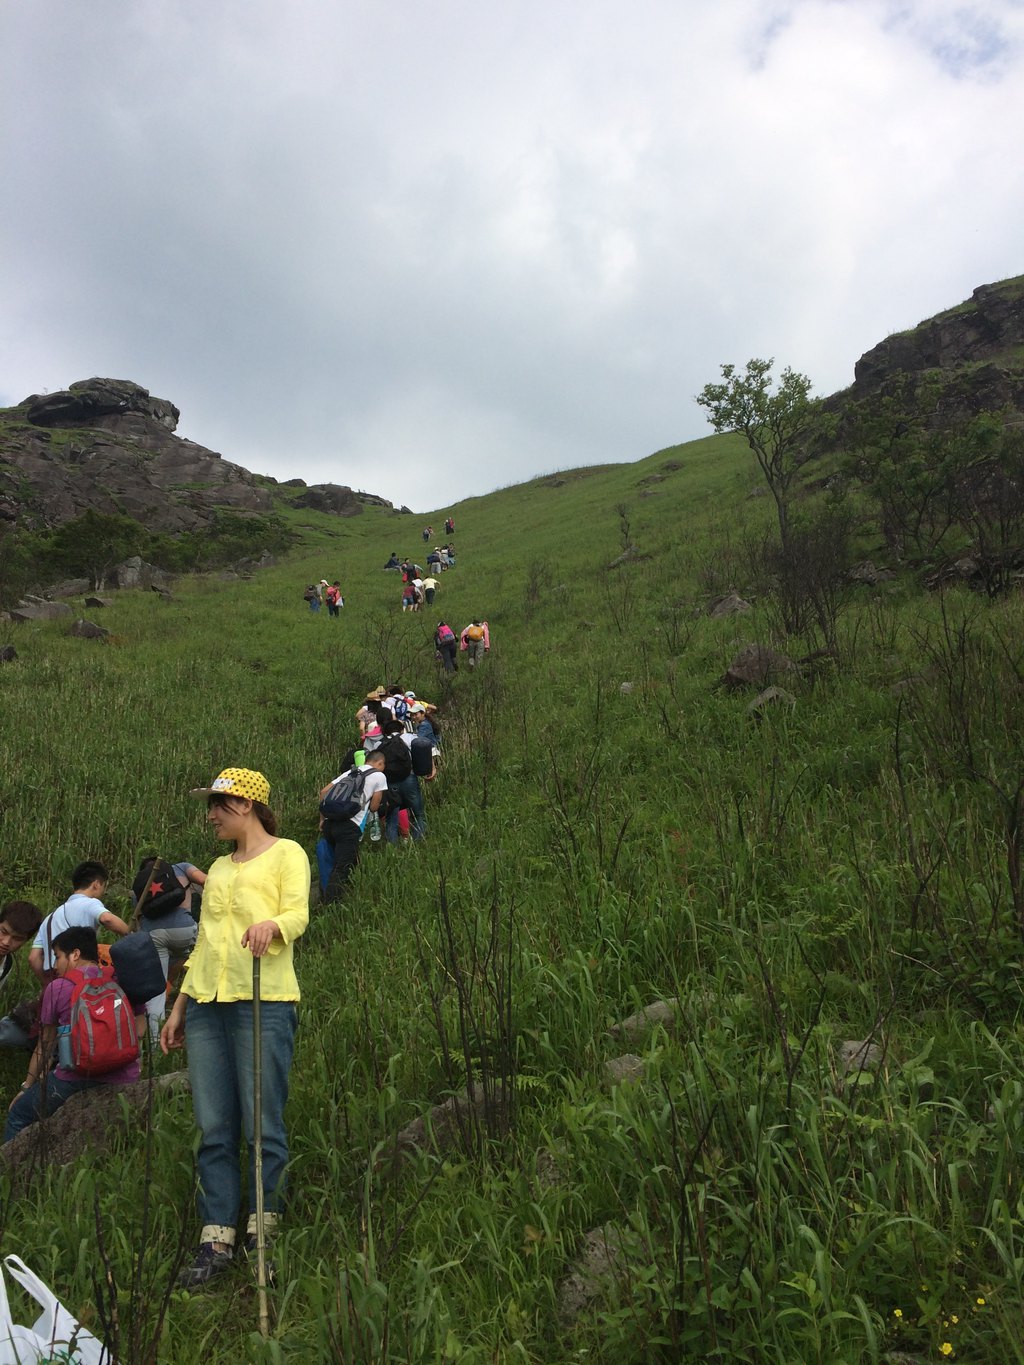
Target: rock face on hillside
x=109 y=445
x=977 y=350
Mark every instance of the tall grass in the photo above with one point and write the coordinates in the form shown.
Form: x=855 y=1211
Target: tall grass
x=843 y=869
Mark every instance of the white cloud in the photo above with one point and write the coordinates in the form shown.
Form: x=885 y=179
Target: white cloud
x=345 y=239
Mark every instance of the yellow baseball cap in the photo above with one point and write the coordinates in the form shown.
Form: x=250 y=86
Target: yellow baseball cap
x=244 y=782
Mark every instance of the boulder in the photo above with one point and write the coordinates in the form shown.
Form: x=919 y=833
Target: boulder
x=859 y=1054
x=771 y=696
x=44 y=611
x=71 y=587
x=602 y=1261
x=455 y=1123
x=625 y=1070
x=88 y=630
x=94 y=601
x=84 y=1123
x=136 y=573
x=8 y=654
x=729 y=605
x=632 y=1029
x=865 y=572
x=87 y=402
x=757 y=666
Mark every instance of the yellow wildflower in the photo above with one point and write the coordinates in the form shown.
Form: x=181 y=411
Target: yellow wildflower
x=980 y=1301
x=946 y=1348
x=897 y=1312
x=953 y=1319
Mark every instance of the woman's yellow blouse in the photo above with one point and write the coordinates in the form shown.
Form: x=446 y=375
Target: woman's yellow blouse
x=273 y=885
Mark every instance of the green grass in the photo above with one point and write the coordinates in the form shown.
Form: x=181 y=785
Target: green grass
x=832 y=873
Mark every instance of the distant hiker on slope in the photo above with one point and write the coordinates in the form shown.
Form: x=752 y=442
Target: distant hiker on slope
x=344 y=831
x=476 y=640
x=446 y=644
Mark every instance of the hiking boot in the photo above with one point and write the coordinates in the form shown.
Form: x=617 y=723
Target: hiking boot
x=208 y=1264
x=252 y=1256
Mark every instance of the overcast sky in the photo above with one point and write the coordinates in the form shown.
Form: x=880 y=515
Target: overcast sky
x=428 y=249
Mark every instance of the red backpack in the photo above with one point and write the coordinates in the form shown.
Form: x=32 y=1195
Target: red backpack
x=103 y=1035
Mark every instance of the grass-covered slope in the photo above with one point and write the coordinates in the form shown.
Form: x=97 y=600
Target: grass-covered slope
x=608 y=830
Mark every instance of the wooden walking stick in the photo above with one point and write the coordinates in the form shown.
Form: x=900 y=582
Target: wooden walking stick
x=257 y=1138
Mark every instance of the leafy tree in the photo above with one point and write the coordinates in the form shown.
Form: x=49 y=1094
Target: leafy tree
x=93 y=543
x=907 y=458
x=780 y=425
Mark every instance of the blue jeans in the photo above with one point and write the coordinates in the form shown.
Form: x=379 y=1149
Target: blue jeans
x=26 y=1108
x=412 y=799
x=220 y=1067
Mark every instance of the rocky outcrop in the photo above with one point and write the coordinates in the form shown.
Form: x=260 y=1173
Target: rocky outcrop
x=975 y=351
x=100 y=403
x=990 y=325
x=109 y=445
x=330 y=497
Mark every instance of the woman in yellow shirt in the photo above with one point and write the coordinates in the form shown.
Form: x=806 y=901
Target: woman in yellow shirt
x=255 y=904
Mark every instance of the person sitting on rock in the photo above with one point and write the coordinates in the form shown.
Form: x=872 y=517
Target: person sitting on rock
x=45 y=1090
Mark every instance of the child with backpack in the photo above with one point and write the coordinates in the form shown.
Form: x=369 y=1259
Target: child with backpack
x=88 y=1017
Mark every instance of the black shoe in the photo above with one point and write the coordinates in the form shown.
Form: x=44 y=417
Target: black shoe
x=208 y=1264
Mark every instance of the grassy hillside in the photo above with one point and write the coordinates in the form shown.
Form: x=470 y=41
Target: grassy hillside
x=608 y=830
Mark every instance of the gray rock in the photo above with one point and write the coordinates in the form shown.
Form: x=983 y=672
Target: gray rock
x=94 y=601
x=330 y=497
x=859 y=1055
x=45 y=611
x=136 y=573
x=453 y=1123
x=771 y=696
x=88 y=630
x=71 y=587
x=8 y=654
x=85 y=1122
x=625 y=1070
x=550 y=1169
x=866 y=572
x=757 y=666
x=663 y=1012
x=625 y=688
x=602 y=1261
x=729 y=605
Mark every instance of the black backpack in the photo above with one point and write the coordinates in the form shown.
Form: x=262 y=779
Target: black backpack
x=397 y=759
x=156 y=888
x=345 y=797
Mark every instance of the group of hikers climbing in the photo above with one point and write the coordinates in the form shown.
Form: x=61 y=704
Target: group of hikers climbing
x=378 y=792
x=99 y=1006
x=317 y=593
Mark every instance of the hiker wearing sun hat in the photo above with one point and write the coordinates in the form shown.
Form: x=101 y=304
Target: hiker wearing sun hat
x=255 y=905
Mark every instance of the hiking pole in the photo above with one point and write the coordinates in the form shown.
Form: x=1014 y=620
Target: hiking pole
x=257 y=1138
